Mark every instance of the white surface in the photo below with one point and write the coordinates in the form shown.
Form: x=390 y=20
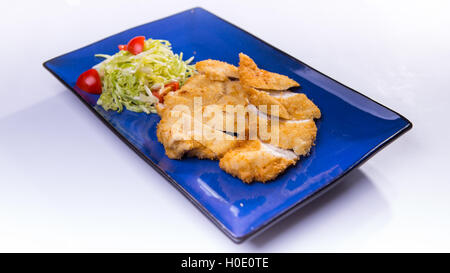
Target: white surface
x=397 y=53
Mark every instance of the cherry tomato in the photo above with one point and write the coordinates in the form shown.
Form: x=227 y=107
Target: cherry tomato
x=136 y=45
x=173 y=85
x=89 y=81
x=122 y=47
x=156 y=94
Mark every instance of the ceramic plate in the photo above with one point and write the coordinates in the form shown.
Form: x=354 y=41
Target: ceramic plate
x=352 y=128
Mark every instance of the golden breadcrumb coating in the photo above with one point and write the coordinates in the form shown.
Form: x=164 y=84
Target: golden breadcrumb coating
x=201 y=86
x=180 y=133
x=217 y=70
x=234 y=94
x=251 y=75
x=297 y=135
x=215 y=140
x=257 y=161
x=297 y=105
x=201 y=120
x=175 y=140
x=171 y=100
x=258 y=98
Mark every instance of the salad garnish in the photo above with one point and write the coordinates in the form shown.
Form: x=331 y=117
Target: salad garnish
x=139 y=75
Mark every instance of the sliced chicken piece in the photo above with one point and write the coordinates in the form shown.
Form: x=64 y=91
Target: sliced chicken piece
x=217 y=70
x=234 y=94
x=257 y=161
x=172 y=100
x=197 y=87
x=172 y=133
x=220 y=117
x=291 y=105
x=263 y=98
x=181 y=134
x=233 y=104
x=297 y=105
x=201 y=86
x=212 y=116
x=298 y=135
x=220 y=106
x=251 y=75
x=214 y=92
x=226 y=118
x=215 y=140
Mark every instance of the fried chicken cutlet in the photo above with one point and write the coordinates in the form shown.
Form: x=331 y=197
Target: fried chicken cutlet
x=296 y=135
x=217 y=70
x=291 y=105
x=181 y=134
x=212 y=129
x=251 y=75
x=257 y=161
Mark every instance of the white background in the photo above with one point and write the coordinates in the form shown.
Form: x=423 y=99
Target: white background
x=56 y=194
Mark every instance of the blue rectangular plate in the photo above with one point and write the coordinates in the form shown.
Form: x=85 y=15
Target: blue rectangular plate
x=352 y=128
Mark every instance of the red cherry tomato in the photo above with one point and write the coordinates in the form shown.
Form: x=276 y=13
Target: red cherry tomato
x=156 y=94
x=89 y=81
x=173 y=85
x=136 y=45
x=122 y=47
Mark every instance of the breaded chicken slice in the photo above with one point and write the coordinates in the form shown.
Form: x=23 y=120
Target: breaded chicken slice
x=257 y=161
x=217 y=70
x=172 y=100
x=226 y=118
x=181 y=134
x=234 y=94
x=223 y=103
x=291 y=105
x=251 y=75
x=214 y=92
x=297 y=105
x=176 y=139
x=197 y=88
x=222 y=117
x=201 y=86
x=260 y=98
x=215 y=140
x=297 y=135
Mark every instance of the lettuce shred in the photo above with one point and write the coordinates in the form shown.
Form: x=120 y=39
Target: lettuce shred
x=127 y=79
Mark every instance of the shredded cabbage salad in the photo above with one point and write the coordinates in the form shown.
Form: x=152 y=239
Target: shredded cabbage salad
x=127 y=79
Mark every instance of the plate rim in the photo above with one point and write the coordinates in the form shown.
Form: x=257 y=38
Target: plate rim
x=294 y=207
